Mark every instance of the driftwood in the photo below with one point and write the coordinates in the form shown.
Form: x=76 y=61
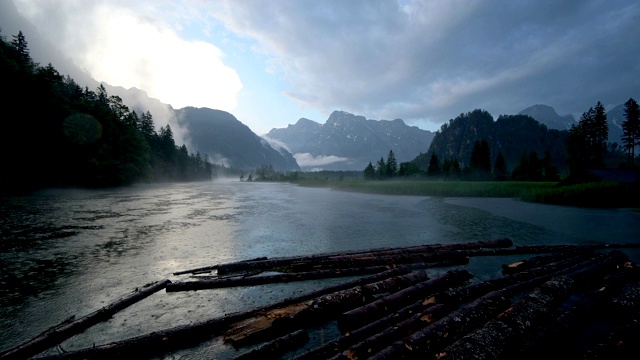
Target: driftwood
x=432 y=340
x=398 y=313
x=275 y=322
x=68 y=328
x=618 y=297
x=160 y=342
x=331 y=348
x=382 y=339
x=276 y=348
x=357 y=259
x=451 y=326
x=367 y=313
x=269 y=279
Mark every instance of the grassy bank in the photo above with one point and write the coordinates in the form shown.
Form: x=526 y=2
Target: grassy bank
x=598 y=194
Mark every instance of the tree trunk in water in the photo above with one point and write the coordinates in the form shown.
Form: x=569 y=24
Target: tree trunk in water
x=279 y=321
x=276 y=348
x=269 y=279
x=67 y=329
x=367 y=313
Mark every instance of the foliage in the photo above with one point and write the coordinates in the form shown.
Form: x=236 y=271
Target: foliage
x=80 y=137
x=434 y=166
x=510 y=135
x=631 y=130
x=587 y=142
x=500 y=168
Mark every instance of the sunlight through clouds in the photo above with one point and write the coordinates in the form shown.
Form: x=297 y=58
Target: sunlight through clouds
x=123 y=48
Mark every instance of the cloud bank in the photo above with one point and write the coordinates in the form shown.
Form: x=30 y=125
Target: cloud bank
x=431 y=60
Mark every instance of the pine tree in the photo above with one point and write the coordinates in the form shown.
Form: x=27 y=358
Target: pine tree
x=631 y=130
x=381 y=169
x=500 y=168
x=369 y=172
x=434 y=166
x=392 y=165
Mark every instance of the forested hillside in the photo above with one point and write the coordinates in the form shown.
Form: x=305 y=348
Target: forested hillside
x=61 y=134
x=511 y=135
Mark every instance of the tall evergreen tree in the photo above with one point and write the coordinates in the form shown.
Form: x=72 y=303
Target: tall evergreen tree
x=480 y=162
x=369 y=172
x=500 y=168
x=434 y=166
x=631 y=130
x=381 y=169
x=392 y=165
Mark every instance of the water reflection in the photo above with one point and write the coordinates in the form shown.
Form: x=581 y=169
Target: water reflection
x=70 y=252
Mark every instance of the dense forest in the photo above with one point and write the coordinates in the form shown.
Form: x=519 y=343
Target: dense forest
x=61 y=134
x=516 y=147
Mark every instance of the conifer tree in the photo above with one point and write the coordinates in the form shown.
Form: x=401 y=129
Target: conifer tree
x=631 y=130
x=392 y=165
x=434 y=166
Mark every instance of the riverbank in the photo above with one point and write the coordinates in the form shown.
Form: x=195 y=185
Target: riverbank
x=595 y=194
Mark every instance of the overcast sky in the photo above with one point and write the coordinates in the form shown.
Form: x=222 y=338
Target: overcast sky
x=272 y=62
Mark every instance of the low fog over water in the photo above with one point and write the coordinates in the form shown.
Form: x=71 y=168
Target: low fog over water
x=70 y=252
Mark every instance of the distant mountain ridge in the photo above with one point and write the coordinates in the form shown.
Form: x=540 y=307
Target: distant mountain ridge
x=230 y=142
x=349 y=142
x=548 y=116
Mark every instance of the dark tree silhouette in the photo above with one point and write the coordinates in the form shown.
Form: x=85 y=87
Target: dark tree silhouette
x=631 y=130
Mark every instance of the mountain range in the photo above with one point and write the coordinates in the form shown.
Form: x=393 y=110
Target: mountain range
x=349 y=142
x=547 y=115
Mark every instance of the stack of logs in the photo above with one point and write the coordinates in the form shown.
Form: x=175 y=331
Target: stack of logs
x=567 y=301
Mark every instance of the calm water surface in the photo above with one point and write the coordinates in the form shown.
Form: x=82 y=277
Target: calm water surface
x=70 y=252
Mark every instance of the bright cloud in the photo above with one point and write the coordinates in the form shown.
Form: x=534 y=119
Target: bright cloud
x=122 y=47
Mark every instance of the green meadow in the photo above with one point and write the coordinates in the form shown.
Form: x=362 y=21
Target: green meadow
x=595 y=194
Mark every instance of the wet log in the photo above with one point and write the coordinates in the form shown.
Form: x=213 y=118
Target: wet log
x=444 y=330
x=208 y=269
x=543 y=273
x=330 y=348
x=433 y=339
x=384 y=338
x=163 y=341
x=612 y=301
x=276 y=348
x=270 y=279
x=493 y=339
x=357 y=258
x=538 y=261
x=278 y=321
x=67 y=329
x=370 y=312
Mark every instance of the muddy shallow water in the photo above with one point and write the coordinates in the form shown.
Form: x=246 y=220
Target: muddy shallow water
x=70 y=252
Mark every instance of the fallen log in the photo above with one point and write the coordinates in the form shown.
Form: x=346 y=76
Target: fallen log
x=538 y=261
x=449 y=327
x=433 y=339
x=543 y=273
x=307 y=262
x=329 y=349
x=384 y=338
x=67 y=329
x=269 y=279
x=276 y=348
x=208 y=269
x=491 y=340
x=367 y=313
x=275 y=322
x=163 y=341
x=563 y=334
